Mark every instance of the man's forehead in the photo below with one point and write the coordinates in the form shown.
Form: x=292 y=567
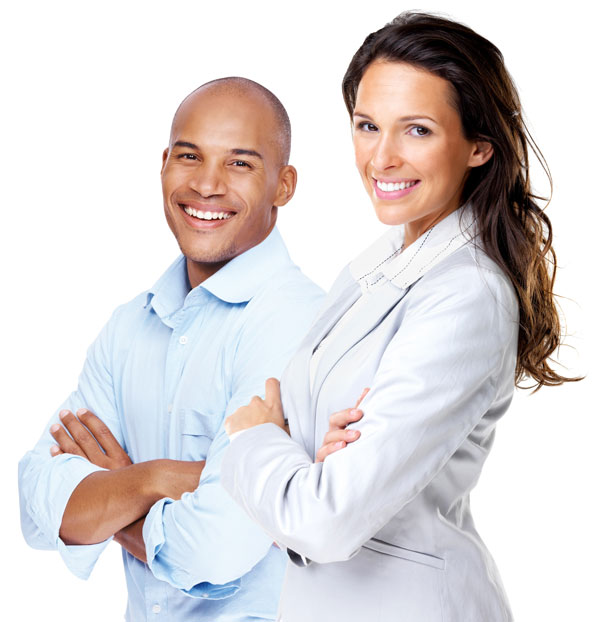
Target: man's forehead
x=224 y=118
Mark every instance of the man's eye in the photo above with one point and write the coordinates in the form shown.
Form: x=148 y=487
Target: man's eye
x=240 y=163
x=419 y=130
x=187 y=156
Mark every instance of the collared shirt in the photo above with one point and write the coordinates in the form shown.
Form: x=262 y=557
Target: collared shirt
x=163 y=374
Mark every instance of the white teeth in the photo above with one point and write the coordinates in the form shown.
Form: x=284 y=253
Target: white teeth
x=393 y=186
x=207 y=215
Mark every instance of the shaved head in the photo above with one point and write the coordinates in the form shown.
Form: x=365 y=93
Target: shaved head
x=245 y=88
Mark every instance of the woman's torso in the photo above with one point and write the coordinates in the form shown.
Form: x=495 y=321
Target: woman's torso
x=427 y=561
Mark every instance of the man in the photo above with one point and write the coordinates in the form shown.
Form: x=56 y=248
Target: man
x=124 y=454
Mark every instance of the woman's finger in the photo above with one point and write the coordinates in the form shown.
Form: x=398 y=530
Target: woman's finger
x=362 y=396
x=339 y=420
x=327 y=450
x=334 y=436
x=272 y=392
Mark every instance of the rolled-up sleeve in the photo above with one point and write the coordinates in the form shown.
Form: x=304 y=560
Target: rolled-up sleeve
x=204 y=542
x=46 y=483
x=436 y=380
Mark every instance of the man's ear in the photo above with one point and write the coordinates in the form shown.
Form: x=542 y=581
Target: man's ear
x=482 y=152
x=286 y=186
x=165 y=155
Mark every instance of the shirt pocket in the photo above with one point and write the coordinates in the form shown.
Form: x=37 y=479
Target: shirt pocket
x=197 y=433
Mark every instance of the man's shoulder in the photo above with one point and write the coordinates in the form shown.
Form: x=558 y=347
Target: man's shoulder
x=288 y=286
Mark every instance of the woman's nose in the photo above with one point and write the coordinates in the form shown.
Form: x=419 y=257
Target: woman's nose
x=386 y=154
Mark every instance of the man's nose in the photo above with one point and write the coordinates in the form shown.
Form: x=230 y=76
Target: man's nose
x=386 y=154
x=209 y=181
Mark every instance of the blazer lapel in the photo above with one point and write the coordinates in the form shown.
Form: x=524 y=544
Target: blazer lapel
x=369 y=317
x=297 y=402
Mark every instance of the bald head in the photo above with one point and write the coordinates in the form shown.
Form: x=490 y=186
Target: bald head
x=245 y=89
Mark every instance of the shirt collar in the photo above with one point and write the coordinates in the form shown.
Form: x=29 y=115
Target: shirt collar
x=385 y=259
x=236 y=282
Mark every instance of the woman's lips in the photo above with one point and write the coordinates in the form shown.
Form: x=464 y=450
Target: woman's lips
x=392 y=190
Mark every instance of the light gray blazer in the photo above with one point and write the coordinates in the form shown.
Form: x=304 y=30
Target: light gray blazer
x=382 y=530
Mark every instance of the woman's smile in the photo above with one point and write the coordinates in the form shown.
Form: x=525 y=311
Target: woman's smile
x=410 y=147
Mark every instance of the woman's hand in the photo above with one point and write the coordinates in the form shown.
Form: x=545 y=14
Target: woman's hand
x=258 y=411
x=338 y=436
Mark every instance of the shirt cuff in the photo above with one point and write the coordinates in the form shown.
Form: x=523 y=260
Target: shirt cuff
x=155 y=539
x=79 y=559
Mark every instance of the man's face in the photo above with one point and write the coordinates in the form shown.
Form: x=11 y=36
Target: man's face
x=222 y=178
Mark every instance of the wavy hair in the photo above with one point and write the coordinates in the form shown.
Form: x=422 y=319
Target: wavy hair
x=513 y=229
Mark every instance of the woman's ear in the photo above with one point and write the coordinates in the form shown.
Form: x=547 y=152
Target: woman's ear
x=482 y=152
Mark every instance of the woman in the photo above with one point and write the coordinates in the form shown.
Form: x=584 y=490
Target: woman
x=439 y=318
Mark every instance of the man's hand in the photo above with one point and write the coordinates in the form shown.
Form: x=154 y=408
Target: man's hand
x=90 y=438
x=258 y=411
x=338 y=436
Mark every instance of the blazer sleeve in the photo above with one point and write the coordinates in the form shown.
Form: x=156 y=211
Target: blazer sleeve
x=437 y=378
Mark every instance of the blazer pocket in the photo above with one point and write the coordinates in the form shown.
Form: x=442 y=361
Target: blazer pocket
x=197 y=433
x=408 y=554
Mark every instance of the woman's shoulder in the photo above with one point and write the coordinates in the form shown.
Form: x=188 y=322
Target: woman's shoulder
x=470 y=275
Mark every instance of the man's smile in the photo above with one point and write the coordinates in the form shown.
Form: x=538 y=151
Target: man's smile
x=207 y=215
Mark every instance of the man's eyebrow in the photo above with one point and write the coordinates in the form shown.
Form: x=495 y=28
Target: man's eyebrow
x=248 y=152
x=183 y=143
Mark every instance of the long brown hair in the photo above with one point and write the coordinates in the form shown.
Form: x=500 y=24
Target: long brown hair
x=513 y=229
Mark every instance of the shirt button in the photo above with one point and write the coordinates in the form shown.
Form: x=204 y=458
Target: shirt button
x=156 y=608
x=183 y=340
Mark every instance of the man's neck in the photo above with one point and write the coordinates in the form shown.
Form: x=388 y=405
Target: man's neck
x=199 y=272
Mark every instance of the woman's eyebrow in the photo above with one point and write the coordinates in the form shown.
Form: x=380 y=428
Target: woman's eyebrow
x=412 y=117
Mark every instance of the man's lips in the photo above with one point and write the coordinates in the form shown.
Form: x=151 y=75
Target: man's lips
x=204 y=213
x=394 y=189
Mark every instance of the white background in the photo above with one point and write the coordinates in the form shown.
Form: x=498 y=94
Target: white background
x=88 y=94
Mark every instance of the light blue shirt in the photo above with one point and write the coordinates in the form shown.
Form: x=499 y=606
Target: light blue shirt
x=163 y=374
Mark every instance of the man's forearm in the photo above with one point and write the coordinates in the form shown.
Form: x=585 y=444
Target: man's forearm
x=107 y=501
x=132 y=540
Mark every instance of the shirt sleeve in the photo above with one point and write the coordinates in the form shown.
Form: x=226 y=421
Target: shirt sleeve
x=46 y=483
x=204 y=543
x=453 y=354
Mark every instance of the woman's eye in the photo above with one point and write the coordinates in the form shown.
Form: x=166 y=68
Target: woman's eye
x=419 y=130
x=367 y=127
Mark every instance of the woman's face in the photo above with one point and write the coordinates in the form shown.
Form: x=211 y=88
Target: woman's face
x=410 y=149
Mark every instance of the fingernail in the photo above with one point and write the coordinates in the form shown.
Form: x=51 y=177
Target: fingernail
x=63 y=413
x=354 y=411
x=340 y=444
x=352 y=433
x=54 y=449
x=81 y=411
x=54 y=428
